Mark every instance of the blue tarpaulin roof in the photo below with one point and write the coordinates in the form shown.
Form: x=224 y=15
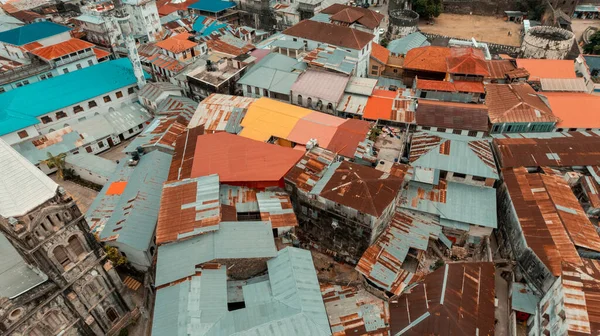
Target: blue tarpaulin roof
x=32 y=32
x=212 y=6
x=205 y=30
x=20 y=108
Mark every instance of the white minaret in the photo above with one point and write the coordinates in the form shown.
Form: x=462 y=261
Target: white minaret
x=132 y=53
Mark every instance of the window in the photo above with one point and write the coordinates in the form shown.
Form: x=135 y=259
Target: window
x=443 y=174
x=101 y=144
x=375 y=67
x=374 y=73
x=330 y=106
x=459 y=175
x=22 y=134
x=25 y=82
x=55 y=320
x=49 y=75
x=395 y=70
x=106 y=99
x=77 y=109
x=92 y=103
x=19 y=84
x=78 y=66
x=90 y=62
x=60 y=253
x=130 y=91
x=112 y=315
x=119 y=94
x=88 y=149
x=479 y=178
x=131 y=131
x=60 y=115
x=472 y=133
x=65 y=71
x=456 y=132
x=295 y=39
x=75 y=246
x=309 y=102
x=42 y=77
x=2 y=90
x=299 y=99
x=265 y=93
x=35 y=331
x=572 y=129
x=441 y=129
x=256 y=90
x=249 y=88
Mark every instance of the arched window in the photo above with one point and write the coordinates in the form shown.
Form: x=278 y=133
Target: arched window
x=75 y=246
x=112 y=315
x=319 y=104
x=61 y=255
x=299 y=99
x=330 y=107
x=35 y=331
x=309 y=102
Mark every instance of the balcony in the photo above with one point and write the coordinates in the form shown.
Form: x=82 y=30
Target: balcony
x=71 y=59
x=23 y=72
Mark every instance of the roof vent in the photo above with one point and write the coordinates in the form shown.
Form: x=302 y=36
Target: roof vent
x=312 y=143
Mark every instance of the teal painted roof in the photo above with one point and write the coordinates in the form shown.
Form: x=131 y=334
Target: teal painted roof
x=523 y=298
x=402 y=45
x=275 y=72
x=93 y=163
x=32 y=32
x=212 y=6
x=20 y=108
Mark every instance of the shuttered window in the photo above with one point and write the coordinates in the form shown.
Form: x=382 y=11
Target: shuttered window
x=75 y=246
x=60 y=253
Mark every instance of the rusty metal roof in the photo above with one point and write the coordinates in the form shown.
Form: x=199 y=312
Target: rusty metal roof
x=543 y=204
x=453 y=153
x=592 y=191
x=472 y=117
x=582 y=297
x=183 y=158
x=162 y=132
x=188 y=207
x=276 y=206
x=509 y=103
x=363 y=188
x=221 y=112
x=382 y=263
x=457 y=299
x=551 y=149
x=311 y=167
x=499 y=68
x=353 y=311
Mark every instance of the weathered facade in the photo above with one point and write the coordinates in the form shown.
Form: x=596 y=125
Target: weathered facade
x=82 y=294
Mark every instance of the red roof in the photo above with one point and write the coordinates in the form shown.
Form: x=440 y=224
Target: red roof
x=241 y=160
x=456 y=86
x=380 y=53
x=340 y=36
x=348 y=15
x=547 y=68
x=379 y=105
x=177 y=44
x=61 y=49
x=100 y=53
x=428 y=58
x=348 y=135
x=467 y=61
x=226 y=48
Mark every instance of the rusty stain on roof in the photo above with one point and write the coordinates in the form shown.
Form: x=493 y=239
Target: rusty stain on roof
x=428 y=58
x=276 y=206
x=219 y=112
x=183 y=157
x=337 y=35
x=467 y=61
x=452 y=115
x=311 y=167
x=508 y=103
x=563 y=150
x=382 y=263
x=582 y=297
x=542 y=204
x=592 y=191
x=353 y=311
x=457 y=299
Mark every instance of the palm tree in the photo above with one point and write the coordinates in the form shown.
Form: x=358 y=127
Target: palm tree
x=58 y=162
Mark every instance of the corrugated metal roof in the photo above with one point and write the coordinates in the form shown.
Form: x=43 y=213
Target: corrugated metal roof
x=508 y=103
x=332 y=58
x=93 y=163
x=275 y=72
x=382 y=262
x=321 y=85
x=221 y=112
x=162 y=133
x=553 y=149
x=402 y=45
x=276 y=207
x=592 y=190
x=152 y=91
x=564 y=84
x=16 y=276
x=354 y=311
x=352 y=103
x=453 y=202
x=361 y=86
x=453 y=153
x=23 y=186
x=452 y=115
x=467 y=61
x=457 y=299
x=523 y=298
x=311 y=168
x=233 y=240
x=541 y=222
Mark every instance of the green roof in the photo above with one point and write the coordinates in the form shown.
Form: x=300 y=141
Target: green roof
x=20 y=108
x=32 y=32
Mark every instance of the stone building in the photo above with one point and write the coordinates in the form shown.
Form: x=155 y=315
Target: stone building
x=54 y=277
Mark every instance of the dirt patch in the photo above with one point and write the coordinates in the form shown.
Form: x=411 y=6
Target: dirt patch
x=330 y=271
x=482 y=28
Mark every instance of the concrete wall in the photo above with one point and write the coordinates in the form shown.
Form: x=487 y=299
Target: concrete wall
x=479 y=7
x=547 y=42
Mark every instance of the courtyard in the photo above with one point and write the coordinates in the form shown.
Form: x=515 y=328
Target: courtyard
x=482 y=28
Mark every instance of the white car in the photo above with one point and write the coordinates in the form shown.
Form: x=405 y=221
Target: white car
x=381 y=31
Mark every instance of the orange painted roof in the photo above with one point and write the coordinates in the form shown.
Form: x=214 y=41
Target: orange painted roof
x=428 y=58
x=546 y=68
x=176 y=44
x=239 y=159
x=316 y=125
x=467 y=61
x=379 y=105
x=32 y=46
x=100 y=53
x=116 y=188
x=226 y=48
x=466 y=86
x=380 y=53
x=61 y=49
x=575 y=109
x=456 y=86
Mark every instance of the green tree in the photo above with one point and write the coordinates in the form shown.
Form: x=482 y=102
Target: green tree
x=58 y=162
x=114 y=255
x=594 y=46
x=428 y=9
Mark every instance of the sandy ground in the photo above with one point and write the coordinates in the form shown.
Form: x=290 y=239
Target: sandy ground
x=83 y=196
x=482 y=28
x=330 y=271
x=579 y=26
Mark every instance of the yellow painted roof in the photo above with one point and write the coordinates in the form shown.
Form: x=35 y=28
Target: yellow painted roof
x=267 y=117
